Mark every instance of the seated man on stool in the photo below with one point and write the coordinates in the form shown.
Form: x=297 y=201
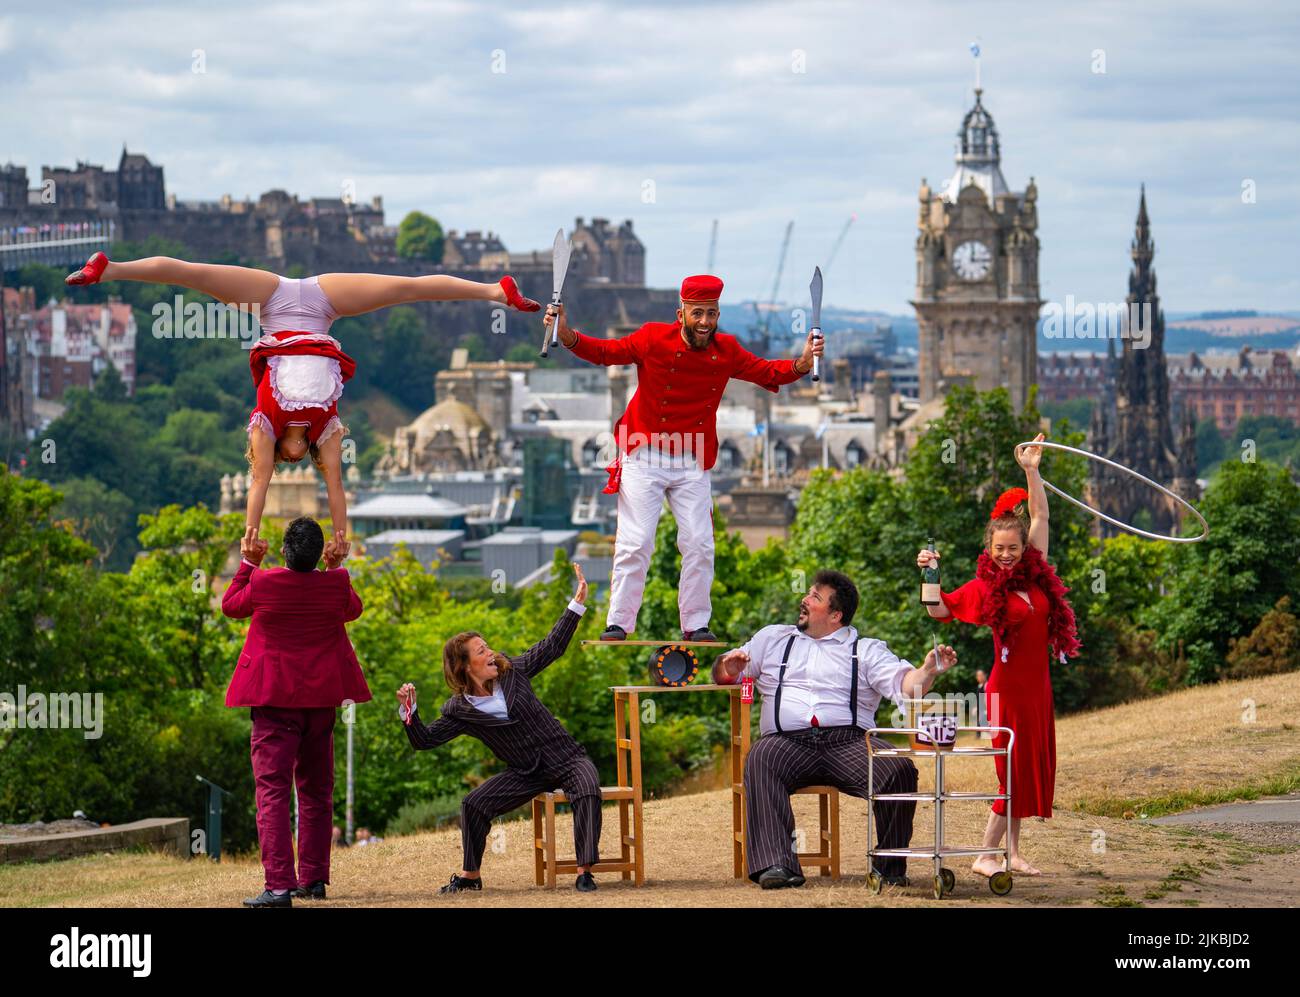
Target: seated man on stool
x=821 y=684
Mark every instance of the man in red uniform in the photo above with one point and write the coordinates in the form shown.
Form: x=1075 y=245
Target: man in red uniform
x=668 y=441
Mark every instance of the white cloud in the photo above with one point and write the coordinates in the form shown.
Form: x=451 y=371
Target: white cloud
x=703 y=99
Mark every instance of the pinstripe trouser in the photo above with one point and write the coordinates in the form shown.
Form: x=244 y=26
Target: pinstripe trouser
x=512 y=788
x=833 y=756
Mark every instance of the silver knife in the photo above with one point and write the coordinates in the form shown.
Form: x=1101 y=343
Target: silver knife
x=559 y=267
x=816 y=289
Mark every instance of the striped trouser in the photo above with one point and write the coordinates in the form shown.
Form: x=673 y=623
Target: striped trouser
x=512 y=788
x=832 y=756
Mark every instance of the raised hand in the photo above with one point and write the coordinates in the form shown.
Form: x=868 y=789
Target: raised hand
x=1029 y=457
x=567 y=336
x=336 y=550
x=253 y=549
x=581 y=595
x=814 y=347
x=947 y=658
x=406 y=696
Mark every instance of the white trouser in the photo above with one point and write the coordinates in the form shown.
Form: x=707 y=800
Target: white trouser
x=648 y=478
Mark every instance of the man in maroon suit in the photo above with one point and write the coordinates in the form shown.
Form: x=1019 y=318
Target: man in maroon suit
x=296 y=669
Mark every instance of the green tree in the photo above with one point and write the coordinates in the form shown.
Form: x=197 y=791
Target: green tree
x=100 y=516
x=420 y=237
x=1222 y=587
x=1210 y=447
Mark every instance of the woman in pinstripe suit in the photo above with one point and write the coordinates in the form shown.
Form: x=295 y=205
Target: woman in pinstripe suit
x=494 y=701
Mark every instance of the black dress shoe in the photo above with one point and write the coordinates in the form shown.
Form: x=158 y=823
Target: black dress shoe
x=586 y=883
x=269 y=899
x=895 y=880
x=460 y=884
x=778 y=877
x=316 y=891
x=614 y=632
x=703 y=633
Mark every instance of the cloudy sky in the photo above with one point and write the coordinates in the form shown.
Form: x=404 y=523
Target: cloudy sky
x=518 y=117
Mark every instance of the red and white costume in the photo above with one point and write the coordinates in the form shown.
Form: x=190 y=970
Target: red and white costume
x=667 y=443
x=298 y=368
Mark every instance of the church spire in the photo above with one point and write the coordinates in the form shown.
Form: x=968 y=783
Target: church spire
x=1142 y=281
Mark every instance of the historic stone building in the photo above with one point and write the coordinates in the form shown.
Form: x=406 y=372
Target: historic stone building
x=1132 y=424
x=977 y=272
x=602 y=253
x=1227 y=387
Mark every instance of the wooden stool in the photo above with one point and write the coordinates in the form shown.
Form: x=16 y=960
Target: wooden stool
x=629 y=862
x=827 y=856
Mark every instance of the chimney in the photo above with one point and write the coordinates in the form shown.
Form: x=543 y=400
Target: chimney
x=881 y=388
x=841 y=380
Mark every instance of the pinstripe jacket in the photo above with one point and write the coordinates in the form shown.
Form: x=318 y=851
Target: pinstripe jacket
x=531 y=739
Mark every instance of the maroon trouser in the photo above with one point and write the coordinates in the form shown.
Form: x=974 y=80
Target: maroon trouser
x=288 y=746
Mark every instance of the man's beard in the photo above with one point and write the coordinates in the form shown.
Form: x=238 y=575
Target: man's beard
x=802 y=624
x=698 y=341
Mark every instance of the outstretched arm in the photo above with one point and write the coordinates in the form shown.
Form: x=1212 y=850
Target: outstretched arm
x=606 y=352
x=1029 y=458
x=771 y=374
x=421 y=735
x=263 y=446
x=237 y=603
x=553 y=645
x=331 y=469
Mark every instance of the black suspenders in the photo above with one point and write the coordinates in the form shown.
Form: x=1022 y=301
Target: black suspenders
x=780 y=682
x=853 y=687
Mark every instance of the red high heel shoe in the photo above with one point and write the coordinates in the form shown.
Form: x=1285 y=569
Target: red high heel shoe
x=516 y=300
x=91 y=272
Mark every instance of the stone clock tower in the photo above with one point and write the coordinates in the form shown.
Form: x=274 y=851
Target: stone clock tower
x=977 y=272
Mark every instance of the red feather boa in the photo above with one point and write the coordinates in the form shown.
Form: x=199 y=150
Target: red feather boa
x=1032 y=567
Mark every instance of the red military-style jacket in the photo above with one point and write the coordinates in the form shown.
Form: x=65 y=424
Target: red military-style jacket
x=675 y=404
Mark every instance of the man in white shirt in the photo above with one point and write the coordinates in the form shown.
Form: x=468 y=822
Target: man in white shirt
x=821 y=684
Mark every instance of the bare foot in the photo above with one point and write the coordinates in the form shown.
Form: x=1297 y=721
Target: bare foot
x=986 y=865
x=1024 y=868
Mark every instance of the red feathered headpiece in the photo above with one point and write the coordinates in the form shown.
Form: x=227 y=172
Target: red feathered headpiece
x=1007 y=502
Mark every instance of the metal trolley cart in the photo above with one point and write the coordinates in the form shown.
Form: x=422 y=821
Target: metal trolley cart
x=944 y=879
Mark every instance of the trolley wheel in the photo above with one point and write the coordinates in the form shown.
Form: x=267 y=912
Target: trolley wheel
x=949 y=880
x=940 y=887
x=1000 y=883
x=875 y=883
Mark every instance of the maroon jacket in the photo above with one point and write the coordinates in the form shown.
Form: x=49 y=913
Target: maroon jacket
x=297 y=653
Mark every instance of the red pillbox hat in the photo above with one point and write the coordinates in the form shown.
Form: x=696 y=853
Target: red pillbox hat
x=701 y=287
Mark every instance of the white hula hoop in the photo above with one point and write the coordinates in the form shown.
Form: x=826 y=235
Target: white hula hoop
x=1205 y=527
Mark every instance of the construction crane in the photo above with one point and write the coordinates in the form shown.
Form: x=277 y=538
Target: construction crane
x=838 y=243
x=764 y=315
x=713 y=247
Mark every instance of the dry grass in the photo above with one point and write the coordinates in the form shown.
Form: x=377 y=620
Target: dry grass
x=1187 y=742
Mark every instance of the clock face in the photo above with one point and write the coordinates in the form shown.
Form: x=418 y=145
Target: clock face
x=972 y=260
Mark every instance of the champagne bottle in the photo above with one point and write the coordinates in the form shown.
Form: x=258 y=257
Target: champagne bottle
x=930 y=581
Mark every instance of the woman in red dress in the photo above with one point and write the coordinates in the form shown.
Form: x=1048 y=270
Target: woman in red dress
x=1017 y=594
